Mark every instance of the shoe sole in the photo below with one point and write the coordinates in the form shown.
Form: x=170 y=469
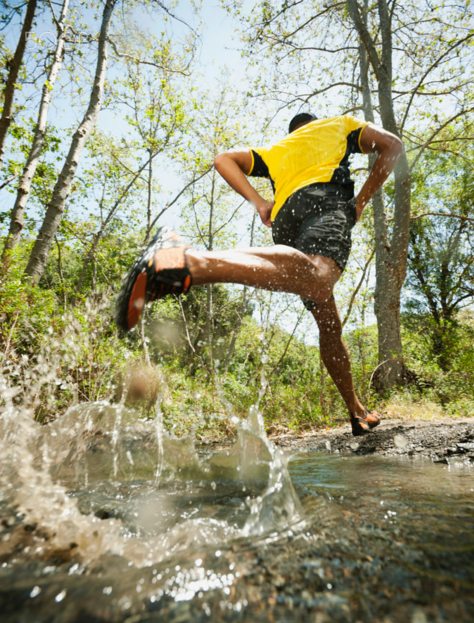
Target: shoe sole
x=143 y=283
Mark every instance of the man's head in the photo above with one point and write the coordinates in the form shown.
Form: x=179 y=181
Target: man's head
x=300 y=119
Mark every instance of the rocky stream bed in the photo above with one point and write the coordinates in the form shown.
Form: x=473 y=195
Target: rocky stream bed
x=386 y=536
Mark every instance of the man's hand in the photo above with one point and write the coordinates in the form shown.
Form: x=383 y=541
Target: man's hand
x=264 y=208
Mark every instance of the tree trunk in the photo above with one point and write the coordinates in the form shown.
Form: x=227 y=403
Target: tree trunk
x=322 y=387
x=243 y=305
x=54 y=212
x=150 y=197
x=209 y=314
x=12 y=79
x=391 y=251
x=17 y=217
x=210 y=247
x=236 y=331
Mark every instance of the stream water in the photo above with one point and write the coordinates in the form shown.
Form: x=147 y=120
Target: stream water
x=108 y=518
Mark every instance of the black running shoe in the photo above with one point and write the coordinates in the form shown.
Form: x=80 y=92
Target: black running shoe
x=160 y=270
x=362 y=425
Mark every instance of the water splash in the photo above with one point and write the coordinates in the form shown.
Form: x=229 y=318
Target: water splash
x=100 y=480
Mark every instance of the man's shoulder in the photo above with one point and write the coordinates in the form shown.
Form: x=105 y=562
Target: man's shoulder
x=345 y=119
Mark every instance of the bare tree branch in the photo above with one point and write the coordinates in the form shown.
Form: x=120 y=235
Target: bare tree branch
x=142 y=62
x=8 y=180
x=359 y=285
x=450 y=215
x=290 y=339
x=168 y=206
x=428 y=70
x=436 y=132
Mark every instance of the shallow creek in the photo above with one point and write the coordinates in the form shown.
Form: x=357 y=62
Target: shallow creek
x=106 y=518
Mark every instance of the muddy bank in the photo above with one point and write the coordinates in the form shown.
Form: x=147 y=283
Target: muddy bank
x=442 y=441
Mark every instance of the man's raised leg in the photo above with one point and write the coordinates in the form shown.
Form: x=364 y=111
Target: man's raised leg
x=279 y=268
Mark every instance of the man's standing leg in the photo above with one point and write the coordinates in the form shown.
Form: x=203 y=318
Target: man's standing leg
x=336 y=359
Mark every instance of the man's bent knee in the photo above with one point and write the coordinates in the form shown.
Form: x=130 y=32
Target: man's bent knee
x=327 y=268
x=310 y=305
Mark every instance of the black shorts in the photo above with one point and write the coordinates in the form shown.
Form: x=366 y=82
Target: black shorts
x=317 y=220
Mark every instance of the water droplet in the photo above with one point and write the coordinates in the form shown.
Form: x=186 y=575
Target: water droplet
x=418 y=617
x=400 y=441
x=35 y=592
x=60 y=596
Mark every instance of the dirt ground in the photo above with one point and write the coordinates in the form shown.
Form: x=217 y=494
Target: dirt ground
x=441 y=440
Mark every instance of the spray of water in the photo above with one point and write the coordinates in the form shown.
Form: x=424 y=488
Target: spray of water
x=101 y=480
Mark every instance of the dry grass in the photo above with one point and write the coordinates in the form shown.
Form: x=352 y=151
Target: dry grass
x=402 y=407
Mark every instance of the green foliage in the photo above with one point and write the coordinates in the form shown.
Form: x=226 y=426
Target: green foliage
x=54 y=357
x=440 y=261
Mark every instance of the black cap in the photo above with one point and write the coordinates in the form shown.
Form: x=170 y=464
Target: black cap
x=301 y=117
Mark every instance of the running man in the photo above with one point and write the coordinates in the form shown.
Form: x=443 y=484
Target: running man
x=311 y=218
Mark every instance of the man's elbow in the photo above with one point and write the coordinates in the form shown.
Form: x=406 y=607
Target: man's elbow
x=228 y=159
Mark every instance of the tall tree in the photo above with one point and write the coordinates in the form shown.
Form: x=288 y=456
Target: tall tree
x=23 y=192
x=112 y=183
x=155 y=97
x=391 y=250
x=54 y=212
x=213 y=210
x=14 y=70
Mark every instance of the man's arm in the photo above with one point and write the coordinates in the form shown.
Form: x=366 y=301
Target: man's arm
x=388 y=147
x=234 y=165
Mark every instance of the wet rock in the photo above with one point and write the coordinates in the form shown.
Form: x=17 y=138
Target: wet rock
x=465 y=446
x=8 y=522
